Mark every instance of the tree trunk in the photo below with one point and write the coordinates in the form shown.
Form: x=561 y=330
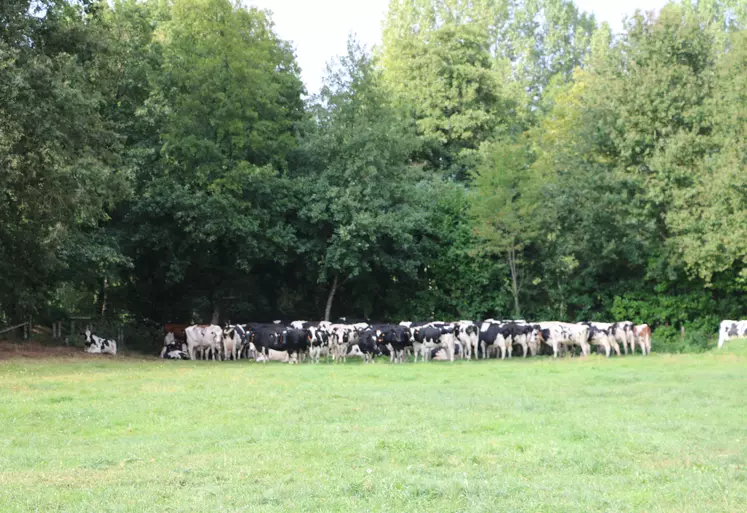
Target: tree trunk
x=330 y=298
x=102 y=308
x=514 y=281
x=216 y=313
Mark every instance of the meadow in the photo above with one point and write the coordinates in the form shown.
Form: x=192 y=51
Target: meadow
x=127 y=434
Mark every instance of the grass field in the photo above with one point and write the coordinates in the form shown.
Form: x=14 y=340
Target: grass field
x=661 y=433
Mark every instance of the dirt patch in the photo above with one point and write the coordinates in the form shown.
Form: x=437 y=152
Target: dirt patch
x=33 y=349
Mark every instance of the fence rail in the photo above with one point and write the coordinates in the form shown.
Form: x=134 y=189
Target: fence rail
x=25 y=325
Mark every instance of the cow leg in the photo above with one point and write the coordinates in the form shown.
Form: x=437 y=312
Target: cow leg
x=554 y=349
x=509 y=348
x=616 y=347
x=524 y=347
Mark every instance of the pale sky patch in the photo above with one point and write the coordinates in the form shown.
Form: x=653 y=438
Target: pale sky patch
x=319 y=29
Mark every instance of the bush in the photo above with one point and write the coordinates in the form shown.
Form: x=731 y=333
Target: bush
x=668 y=339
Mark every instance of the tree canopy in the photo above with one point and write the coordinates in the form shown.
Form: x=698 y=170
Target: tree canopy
x=161 y=159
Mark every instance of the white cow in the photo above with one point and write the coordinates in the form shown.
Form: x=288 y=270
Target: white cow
x=205 y=338
x=276 y=356
x=731 y=329
x=556 y=334
x=99 y=345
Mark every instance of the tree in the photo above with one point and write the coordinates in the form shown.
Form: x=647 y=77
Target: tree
x=359 y=195
x=505 y=207
x=58 y=149
x=213 y=203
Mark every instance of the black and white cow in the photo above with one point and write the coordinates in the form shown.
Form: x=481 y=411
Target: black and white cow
x=522 y=334
x=492 y=335
x=233 y=341
x=603 y=334
x=296 y=342
x=433 y=335
x=393 y=340
x=174 y=349
x=557 y=334
x=98 y=345
x=731 y=329
x=318 y=340
x=265 y=337
x=467 y=333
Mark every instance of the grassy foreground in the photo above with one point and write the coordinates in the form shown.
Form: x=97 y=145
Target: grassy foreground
x=662 y=433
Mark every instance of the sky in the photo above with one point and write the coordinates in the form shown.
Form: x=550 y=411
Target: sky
x=319 y=29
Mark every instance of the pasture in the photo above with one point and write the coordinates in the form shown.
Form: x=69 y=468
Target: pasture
x=122 y=434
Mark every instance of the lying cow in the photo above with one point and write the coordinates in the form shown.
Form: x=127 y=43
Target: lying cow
x=275 y=356
x=173 y=349
x=731 y=329
x=99 y=345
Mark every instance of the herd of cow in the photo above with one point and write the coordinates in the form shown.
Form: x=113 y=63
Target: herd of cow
x=296 y=341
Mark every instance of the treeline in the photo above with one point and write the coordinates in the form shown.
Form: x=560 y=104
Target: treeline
x=160 y=160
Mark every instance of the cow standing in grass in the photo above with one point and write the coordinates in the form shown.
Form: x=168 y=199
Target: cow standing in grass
x=207 y=339
x=731 y=329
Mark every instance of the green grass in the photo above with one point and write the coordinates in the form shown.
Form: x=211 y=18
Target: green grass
x=661 y=433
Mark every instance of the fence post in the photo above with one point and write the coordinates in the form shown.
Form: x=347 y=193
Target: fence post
x=54 y=330
x=26 y=329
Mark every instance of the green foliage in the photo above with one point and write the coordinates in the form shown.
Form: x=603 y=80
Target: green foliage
x=58 y=151
x=158 y=161
x=359 y=195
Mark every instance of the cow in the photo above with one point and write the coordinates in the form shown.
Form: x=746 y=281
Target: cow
x=295 y=342
x=275 y=356
x=368 y=345
x=491 y=335
x=173 y=349
x=603 y=334
x=263 y=337
x=318 y=342
x=177 y=330
x=467 y=334
x=731 y=329
x=233 y=340
x=98 y=345
x=642 y=335
x=205 y=338
x=434 y=335
x=520 y=333
x=392 y=340
x=341 y=336
x=556 y=334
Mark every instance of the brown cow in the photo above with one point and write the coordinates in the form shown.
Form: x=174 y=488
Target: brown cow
x=643 y=337
x=177 y=330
